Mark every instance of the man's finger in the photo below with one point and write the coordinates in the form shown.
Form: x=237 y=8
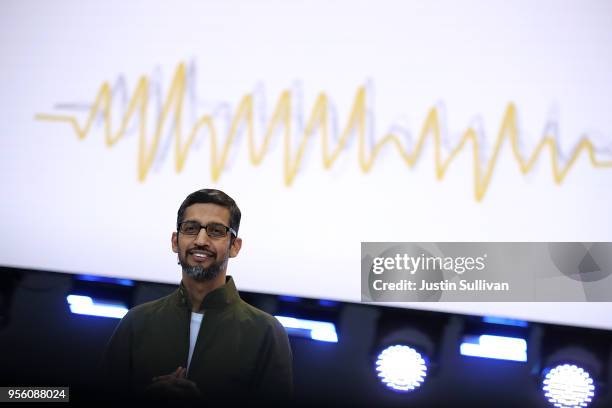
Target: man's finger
x=175 y=374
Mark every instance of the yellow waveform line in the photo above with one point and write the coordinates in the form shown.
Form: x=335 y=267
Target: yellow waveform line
x=281 y=117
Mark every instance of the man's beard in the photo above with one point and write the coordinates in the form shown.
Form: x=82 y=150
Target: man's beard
x=199 y=272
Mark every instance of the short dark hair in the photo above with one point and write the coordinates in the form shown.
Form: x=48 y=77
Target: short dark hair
x=212 y=196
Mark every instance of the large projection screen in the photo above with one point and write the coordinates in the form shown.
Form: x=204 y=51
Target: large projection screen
x=329 y=122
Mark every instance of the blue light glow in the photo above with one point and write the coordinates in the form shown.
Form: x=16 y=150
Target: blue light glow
x=505 y=321
x=287 y=298
x=496 y=347
x=85 y=305
x=116 y=281
x=328 y=303
x=316 y=330
x=568 y=386
x=401 y=368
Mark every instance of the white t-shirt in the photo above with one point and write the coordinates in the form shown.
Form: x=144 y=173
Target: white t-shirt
x=196 y=322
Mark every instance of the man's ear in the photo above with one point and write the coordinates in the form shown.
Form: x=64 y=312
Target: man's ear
x=174 y=242
x=235 y=247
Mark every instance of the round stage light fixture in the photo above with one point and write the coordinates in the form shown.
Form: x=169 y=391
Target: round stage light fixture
x=568 y=386
x=401 y=368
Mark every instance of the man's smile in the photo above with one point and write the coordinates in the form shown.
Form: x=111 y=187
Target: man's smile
x=201 y=255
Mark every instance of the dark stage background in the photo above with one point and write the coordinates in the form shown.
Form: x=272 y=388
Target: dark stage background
x=44 y=344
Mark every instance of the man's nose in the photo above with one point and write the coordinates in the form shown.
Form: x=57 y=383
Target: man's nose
x=202 y=238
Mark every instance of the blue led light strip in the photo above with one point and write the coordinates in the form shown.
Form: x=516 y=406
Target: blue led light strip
x=496 y=347
x=85 y=305
x=316 y=330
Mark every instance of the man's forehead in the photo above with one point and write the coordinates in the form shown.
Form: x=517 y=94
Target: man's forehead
x=207 y=211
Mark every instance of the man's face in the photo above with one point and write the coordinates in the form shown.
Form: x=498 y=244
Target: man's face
x=202 y=257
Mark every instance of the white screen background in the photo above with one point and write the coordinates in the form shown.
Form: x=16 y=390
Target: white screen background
x=77 y=206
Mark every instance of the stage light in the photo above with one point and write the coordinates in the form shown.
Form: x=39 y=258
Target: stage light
x=505 y=321
x=573 y=367
x=401 y=368
x=496 y=347
x=313 y=319
x=315 y=330
x=405 y=350
x=105 y=279
x=100 y=296
x=568 y=386
x=85 y=305
x=495 y=337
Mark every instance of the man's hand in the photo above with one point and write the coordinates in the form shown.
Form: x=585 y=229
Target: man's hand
x=174 y=385
x=180 y=372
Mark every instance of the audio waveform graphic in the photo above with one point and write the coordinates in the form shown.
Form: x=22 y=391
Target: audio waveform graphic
x=171 y=111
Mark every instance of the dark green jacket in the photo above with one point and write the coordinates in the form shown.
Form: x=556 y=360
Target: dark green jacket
x=240 y=351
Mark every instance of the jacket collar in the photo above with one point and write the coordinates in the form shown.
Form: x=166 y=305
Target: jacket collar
x=218 y=298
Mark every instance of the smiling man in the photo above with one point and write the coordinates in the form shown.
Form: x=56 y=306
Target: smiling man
x=201 y=342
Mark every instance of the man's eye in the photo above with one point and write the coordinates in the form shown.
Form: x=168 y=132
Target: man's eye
x=217 y=230
x=190 y=228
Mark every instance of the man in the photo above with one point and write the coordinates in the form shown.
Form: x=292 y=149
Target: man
x=202 y=341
